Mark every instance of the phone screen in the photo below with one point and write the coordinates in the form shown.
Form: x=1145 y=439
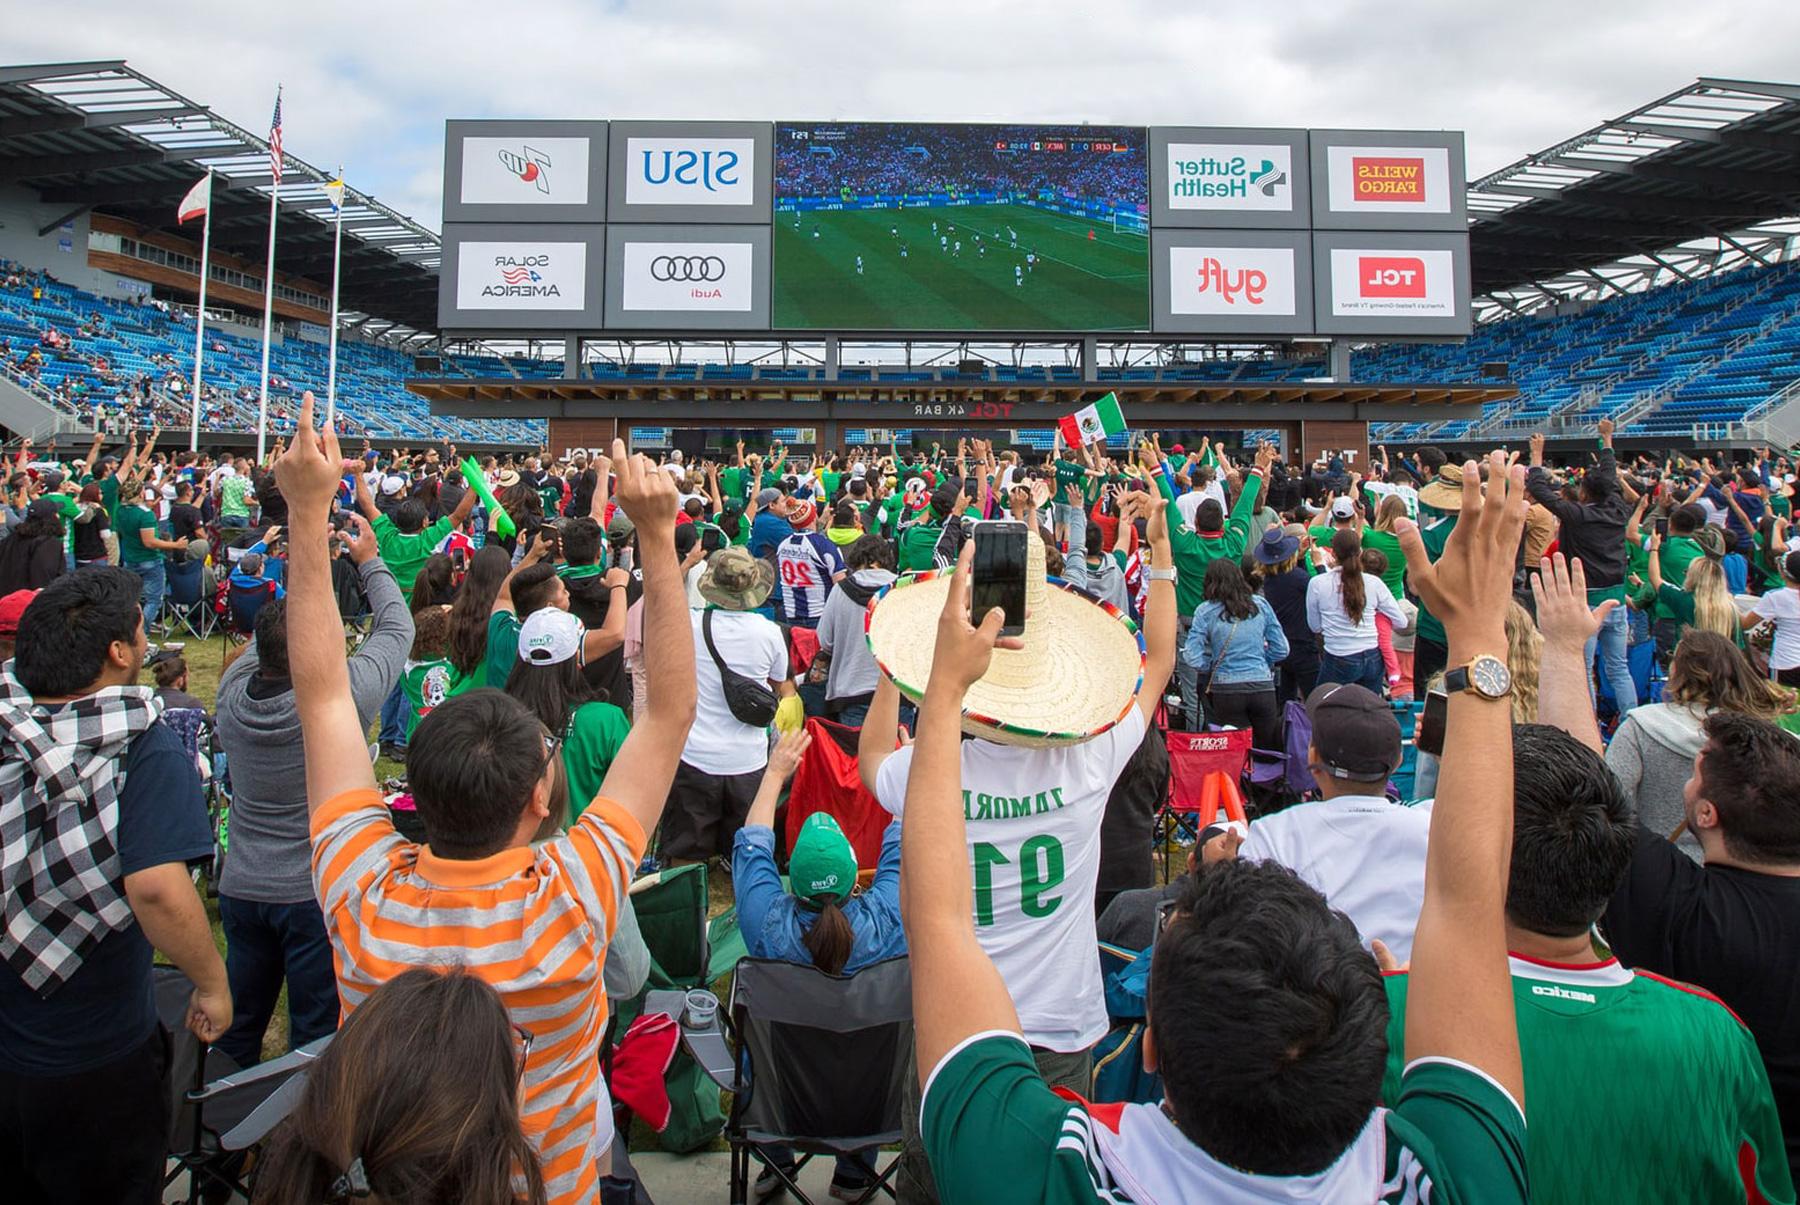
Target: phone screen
x=999 y=573
x=1429 y=737
x=1662 y=525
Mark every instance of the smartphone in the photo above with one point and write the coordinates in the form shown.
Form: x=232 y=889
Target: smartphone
x=1429 y=736
x=1661 y=525
x=999 y=572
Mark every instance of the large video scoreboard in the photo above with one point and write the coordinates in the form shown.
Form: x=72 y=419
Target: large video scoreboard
x=752 y=228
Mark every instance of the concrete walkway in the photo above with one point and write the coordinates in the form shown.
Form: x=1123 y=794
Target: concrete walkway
x=705 y=1179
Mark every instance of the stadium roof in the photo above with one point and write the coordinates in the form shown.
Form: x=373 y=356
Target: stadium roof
x=1704 y=178
x=102 y=136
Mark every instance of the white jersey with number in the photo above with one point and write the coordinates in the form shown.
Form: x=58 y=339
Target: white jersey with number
x=1033 y=818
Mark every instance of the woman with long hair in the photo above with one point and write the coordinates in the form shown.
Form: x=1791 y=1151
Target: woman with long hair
x=32 y=556
x=821 y=919
x=1701 y=601
x=91 y=525
x=433 y=587
x=1652 y=753
x=466 y=646
x=1524 y=656
x=547 y=678
x=415 y=1102
x=1236 y=643
x=1782 y=608
x=1341 y=605
x=1281 y=553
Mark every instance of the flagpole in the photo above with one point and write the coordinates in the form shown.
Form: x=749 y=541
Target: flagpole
x=262 y=405
x=200 y=314
x=337 y=253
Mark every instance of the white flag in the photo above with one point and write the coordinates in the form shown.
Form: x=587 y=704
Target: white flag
x=334 y=192
x=197 y=201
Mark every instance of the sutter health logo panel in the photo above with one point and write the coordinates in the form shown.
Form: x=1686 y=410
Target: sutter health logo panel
x=708 y=277
x=525 y=171
x=521 y=276
x=1408 y=284
x=1231 y=280
x=690 y=171
x=1384 y=179
x=1230 y=176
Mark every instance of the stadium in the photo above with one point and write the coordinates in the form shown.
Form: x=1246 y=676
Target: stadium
x=1637 y=270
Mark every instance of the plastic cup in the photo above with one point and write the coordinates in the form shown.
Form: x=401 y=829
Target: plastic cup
x=702 y=1009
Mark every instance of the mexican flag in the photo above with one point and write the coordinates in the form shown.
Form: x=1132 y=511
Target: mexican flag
x=1092 y=424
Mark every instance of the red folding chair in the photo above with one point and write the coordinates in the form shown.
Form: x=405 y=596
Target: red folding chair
x=827 y=781
x=1206 y=771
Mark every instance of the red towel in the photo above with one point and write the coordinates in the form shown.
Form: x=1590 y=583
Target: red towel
x=639 y=1064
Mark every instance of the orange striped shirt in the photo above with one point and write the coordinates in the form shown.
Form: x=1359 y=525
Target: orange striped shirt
x=533 y=922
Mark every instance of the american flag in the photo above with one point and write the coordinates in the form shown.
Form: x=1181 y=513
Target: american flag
x=275 y=139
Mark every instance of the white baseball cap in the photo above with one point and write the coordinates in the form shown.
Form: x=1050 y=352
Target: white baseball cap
x=550 y=636
x=392 y=484
x=1343 y=508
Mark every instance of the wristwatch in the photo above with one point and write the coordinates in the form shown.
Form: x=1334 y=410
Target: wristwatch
x=1485 y=676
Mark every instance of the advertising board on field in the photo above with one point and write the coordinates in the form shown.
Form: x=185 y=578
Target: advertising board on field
x=525 y=171
x=1388 y=180
x=689 y=171
x=1402 y=284
x=687 y=277
x=1232 y=282
x=518 y=276
x=1216 y=177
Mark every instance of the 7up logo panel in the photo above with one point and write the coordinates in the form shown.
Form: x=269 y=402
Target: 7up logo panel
x=1234 y=177
x=525 y=171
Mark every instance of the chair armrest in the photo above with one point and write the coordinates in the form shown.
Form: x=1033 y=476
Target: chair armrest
x=709 y=1049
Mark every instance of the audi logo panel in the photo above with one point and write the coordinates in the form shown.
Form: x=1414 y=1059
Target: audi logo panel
x=687 y=267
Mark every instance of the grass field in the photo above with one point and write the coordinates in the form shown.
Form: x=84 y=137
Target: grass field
x=1078 y=283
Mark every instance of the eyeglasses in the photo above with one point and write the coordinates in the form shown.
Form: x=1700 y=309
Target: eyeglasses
x=552 y=746
x=522 y=1041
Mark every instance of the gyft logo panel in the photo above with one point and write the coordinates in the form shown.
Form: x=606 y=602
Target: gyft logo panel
x=1389 y=179
x=1241 y=281
x=1398 y=284
x=703 y=277
x=525 y=171
x=521 y=276
x=690 y=171
x=1231 y=176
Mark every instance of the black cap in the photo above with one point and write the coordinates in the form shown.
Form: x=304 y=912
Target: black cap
x=1354 y=732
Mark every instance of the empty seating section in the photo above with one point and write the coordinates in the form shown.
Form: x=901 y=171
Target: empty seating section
x=1697 y=352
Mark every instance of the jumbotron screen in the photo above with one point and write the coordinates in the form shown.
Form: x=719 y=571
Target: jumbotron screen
x=887 y=226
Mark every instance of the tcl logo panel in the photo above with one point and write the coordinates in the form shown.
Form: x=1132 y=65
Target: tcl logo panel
x=1409 y=284
x=521 y=276
x=704 y=277
x=1231 y=176
x=524 y=171
x=1242 y=281
x=1389 y=179
x=690 y=171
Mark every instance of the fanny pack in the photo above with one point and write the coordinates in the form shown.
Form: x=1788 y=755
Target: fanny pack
x=751 y=701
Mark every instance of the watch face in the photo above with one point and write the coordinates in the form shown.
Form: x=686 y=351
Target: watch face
x=1490 y=677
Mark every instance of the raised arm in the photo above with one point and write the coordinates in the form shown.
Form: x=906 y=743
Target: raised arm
x=337 y=750
x=1460 y=993
x=602 y=466
x=880 y=731
x=640 y=776
x=957 y=993
x=611 y=633
x=1559 y=588
x=364 y=501
x=1159 y=610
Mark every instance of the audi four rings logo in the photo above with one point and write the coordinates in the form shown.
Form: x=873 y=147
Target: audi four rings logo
x=687 y=267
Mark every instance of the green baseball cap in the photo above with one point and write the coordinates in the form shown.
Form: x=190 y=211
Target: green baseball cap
x=822 y=868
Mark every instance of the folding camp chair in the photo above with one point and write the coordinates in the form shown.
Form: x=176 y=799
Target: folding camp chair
x=1205 y=773
x=242 y=604
x=1119 y=1073
x=186 y=606
x=827 y=780
x=821 y=1062
x=218 y=1108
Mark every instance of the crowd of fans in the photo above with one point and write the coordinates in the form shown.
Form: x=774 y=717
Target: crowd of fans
x=1584 y=915
x=886 y=159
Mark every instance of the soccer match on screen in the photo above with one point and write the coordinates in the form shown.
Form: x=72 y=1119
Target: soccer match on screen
x=885 y=226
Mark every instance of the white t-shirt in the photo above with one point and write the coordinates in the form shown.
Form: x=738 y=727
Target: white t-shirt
x=719 y=743
x=1406 y=493
x=1365 y=855
x=1325 y=613
x=1783 y=606
x=1189 y=503
x=1033 y=818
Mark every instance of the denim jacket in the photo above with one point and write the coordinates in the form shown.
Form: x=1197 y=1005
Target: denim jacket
x=1255 y=644
x=773 y=922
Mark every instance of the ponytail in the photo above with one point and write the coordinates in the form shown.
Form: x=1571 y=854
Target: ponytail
x=1346 y=548
x=830 y=939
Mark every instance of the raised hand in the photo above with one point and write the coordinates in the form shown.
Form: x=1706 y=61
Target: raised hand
x=310 y=468
x=1559 y=587
x=1470 y=585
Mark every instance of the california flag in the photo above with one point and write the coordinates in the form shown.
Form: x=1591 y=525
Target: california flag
x=1092 y=424
x=197 y=201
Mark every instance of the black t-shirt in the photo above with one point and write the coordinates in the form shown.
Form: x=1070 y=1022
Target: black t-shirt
x=1735 y=933
x=184 y=521
x=589 y=600
x=90 y=537
x=106 y=1009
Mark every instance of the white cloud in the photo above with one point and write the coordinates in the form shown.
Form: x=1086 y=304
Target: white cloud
x=371 y=83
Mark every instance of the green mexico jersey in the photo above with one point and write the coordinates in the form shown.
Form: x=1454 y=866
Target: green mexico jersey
x=995 y=1132
x=1637 y=1089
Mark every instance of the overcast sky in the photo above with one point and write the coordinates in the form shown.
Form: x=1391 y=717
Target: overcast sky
x=370 y=83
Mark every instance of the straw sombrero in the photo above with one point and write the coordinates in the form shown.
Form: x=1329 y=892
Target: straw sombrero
x=1078 y=674
x=1444 y=493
